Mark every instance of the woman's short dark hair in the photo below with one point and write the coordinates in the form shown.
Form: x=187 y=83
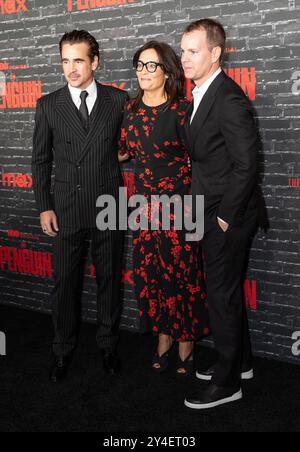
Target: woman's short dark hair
x=172 y=67
x=79 y=36
x=216 y=35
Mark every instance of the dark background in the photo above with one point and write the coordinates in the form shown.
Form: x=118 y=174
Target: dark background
x=263 y=55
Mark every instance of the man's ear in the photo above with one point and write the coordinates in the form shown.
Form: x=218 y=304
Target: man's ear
x=216 y=54
x=95 y=63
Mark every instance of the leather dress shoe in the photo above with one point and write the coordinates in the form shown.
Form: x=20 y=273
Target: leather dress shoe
x=212 y=397
x=59 y=369
x=111 y=362
x=207 y=375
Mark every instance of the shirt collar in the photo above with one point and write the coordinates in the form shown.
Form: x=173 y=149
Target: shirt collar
x=91 y=89
x=203 y=88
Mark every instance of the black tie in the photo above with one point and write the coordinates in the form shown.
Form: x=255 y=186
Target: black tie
x=83 y=109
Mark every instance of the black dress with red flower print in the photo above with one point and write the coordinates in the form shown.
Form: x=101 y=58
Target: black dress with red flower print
x=168 y=271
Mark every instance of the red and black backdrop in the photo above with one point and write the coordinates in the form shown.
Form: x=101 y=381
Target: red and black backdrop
x=263 y=54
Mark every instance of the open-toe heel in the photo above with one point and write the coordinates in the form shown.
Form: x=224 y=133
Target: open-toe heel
x=162 y=361
x=187 y=365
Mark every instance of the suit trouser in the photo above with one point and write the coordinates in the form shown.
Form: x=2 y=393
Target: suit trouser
x=225 y=258
x=107 y=256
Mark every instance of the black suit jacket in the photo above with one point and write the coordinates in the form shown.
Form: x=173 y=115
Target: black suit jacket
x=224 y=142
x=86 y=164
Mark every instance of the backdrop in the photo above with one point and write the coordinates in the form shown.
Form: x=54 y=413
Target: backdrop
x=262 y=56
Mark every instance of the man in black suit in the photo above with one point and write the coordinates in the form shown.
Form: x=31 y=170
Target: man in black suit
x=77 y=129
x=224 y=145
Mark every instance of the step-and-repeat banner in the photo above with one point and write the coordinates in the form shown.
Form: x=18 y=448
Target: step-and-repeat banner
x=262 y=56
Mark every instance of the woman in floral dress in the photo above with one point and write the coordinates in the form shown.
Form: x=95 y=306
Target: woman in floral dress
x=168 y=270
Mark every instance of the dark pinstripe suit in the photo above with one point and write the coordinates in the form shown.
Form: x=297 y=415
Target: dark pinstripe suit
x=86 y=166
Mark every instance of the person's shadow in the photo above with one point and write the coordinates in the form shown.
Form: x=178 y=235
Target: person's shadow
x=262 y=212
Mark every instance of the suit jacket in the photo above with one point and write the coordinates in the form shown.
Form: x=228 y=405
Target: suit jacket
x=224 y=143
x=86 y=163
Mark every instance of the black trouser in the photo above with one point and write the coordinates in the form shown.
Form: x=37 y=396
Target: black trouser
x=107 y=256
x=225 y=258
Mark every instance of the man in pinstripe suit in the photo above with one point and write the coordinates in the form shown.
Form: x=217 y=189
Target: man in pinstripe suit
x=77 y=129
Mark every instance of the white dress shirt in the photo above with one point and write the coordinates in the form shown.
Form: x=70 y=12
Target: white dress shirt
x=91 y=98
x=198 y=94
x=200 y=91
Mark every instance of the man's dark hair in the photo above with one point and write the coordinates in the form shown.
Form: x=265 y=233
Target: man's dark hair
x=79 y=36
x=216 y=35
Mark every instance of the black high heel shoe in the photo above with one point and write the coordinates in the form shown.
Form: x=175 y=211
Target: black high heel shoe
x=187 y=365
x=162 y=361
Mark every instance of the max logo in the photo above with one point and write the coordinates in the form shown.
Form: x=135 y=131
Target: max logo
x=16 y=180
x=12 y=6
x=2 y=344
x=296 y=84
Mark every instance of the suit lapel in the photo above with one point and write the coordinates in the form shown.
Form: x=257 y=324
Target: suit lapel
x=187 y=120
x=204 y=108
x=98 y=118
x=67 y=110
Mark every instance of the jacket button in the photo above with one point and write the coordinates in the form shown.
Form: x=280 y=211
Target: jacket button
x=78 y=187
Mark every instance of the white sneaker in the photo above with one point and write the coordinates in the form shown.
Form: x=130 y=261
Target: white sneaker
x=207 y=375
x=212 y=397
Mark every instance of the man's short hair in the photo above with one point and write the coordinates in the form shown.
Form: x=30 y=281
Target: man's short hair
x=216 y=35
x=79 y=36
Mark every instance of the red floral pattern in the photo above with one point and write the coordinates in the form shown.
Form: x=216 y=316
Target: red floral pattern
x=168 y=270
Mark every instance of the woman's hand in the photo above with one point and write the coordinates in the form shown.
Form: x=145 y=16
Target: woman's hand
x=123 y=157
